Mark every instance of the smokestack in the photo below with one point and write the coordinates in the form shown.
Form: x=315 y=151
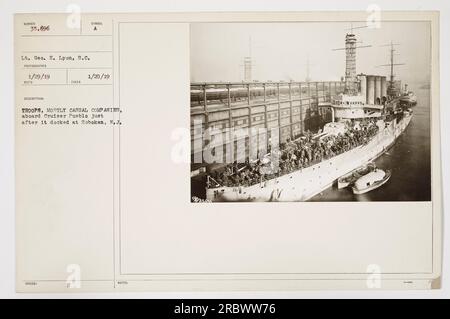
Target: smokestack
x=370 y=89
x=363 y=85
x=378 y=89
x=383 y=87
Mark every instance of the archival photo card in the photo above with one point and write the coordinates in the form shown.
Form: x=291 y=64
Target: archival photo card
x=227 y=151
x=310 y=111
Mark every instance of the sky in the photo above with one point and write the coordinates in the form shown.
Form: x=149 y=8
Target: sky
x=280 y=50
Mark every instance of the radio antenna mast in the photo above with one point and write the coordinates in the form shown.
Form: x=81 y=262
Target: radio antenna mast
x=391 y=90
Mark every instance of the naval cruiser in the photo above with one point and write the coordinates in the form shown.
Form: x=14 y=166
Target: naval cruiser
x=365 y=98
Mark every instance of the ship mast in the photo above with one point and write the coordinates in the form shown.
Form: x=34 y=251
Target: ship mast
x=350 y=64
x=350 y=61
x=392 y=91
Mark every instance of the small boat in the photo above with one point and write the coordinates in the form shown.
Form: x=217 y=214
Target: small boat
x=371 y=181
x=349 y=178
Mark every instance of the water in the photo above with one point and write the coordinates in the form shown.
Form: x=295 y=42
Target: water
x=409 y=161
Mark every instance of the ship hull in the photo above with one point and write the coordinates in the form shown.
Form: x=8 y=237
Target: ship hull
x=303 y=184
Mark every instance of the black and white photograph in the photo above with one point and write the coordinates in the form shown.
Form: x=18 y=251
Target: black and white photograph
x=213 y=153
x=310 y=111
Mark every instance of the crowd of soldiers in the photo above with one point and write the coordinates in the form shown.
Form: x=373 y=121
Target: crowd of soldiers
x=294 y=155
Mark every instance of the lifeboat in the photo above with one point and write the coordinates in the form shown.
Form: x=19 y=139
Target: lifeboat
x=371 y=181
x=350 y=178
